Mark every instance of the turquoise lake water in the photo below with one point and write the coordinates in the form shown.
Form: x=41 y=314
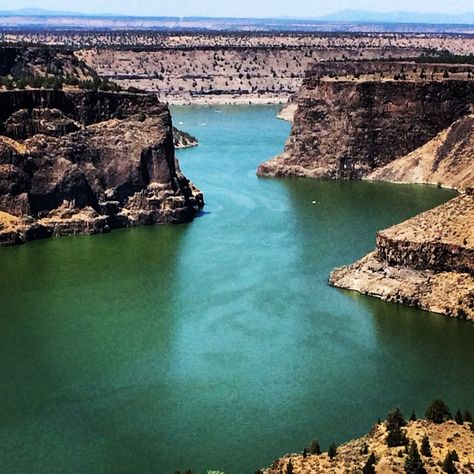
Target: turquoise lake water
x=218 y=344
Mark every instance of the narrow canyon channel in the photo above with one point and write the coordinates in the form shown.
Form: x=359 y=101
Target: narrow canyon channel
x=218 y=344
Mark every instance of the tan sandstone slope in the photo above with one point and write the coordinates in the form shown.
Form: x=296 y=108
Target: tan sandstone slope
x=447 y=160
x=351 y=457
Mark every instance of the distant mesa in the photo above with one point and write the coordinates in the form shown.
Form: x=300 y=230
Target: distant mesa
x=364 y=16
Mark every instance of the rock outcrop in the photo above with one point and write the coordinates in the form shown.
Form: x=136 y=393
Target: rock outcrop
x=426 y=262
x=346 y=127
x=288 y=111
x=351 y=457
x=87 y=162
x=183 y=139
x=402 y=122
x=447 y=160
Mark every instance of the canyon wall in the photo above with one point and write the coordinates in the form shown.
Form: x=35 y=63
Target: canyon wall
x=346 y=127
x=87 y=162
x=426 y=262
x=400 y=122
x=447 y=160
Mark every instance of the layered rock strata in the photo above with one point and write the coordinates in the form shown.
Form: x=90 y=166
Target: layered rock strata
x=87 y=162
x=346 y=127
x=426 y=262
x=447 y=160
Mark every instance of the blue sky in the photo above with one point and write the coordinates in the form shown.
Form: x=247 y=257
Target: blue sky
x=240 y=8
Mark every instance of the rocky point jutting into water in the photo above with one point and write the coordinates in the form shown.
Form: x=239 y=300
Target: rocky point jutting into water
x=374 y=124
x=80 y=162
x=426 y=262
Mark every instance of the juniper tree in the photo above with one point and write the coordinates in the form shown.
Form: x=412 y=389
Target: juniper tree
x=414 y=463
x=395 y=436
x=449 y=460
x=425 y=447
x=289 y=467
x=369 y=467
x=315 y=448
x=438 y=412
x=395 y=417
x=458 y=418
x=332 y=451
x=413 y=416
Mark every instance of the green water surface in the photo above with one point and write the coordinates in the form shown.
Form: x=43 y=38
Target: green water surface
x=218 y=344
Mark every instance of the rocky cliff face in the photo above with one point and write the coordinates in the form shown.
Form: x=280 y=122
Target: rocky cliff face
x=345 y=127
x=426 y=262
x=447 y=160
x=87 y=162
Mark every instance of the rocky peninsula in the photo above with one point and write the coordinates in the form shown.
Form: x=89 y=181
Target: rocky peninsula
x=398 y=122
x=426 y=262
x=83 y=162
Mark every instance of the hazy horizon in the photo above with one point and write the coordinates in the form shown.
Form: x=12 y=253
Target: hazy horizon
x=244 y=9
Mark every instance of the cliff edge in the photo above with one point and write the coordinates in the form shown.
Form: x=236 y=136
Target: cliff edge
x=77 y=162
x=355 y=117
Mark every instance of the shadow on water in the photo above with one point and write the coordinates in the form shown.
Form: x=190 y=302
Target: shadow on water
x=87 y=324
x=423 y=355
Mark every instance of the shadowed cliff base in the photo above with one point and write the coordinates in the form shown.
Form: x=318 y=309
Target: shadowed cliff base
x=86 y=162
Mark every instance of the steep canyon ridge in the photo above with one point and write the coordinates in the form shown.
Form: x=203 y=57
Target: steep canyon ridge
x=388 y=106
x=402 y=122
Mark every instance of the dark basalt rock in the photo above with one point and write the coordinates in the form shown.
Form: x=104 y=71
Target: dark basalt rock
x=87 y=162
x=347 y=128
x=26 y=123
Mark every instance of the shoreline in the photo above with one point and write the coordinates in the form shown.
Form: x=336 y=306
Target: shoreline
x=225 y=100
